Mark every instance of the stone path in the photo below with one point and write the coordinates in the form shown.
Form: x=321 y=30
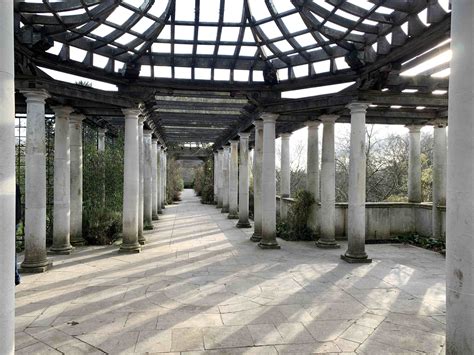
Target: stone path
x=200 y=286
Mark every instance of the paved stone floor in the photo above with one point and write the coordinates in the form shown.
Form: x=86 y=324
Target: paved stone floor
x=200 y=286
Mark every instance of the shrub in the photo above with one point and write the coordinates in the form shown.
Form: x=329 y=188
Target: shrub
x=295 y=227
x=204 y=182
x=174 y=182
x=101 y=227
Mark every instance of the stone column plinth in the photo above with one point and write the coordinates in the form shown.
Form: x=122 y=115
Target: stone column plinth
x=439 y=177
x=257 y=182
x=220 y=178
x=268 y=184
x=225 y=179
x=284 y=173
x=131 y=184
x=414 y=164
x=75 y=139
x=35 y=184
x=357 y=172
x=147 y=182
x=234 y=180
x=327 y=237
x=101 y=139
x=159 y=178
x=244 y=182
x=154 y=178
x=7 y=186
x=215 y=175
x=460 y=186
x=141 y=169
x=312 y=168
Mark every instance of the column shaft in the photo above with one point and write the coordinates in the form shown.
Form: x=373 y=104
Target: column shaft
x=75 y=138
x=285 y=173
x=101 y=139
x=414 y=165
x=154 y=178
x=147 y=182
x=257 y=182
x=159 y=178
x=215 y=177
x=244 y=182
x=328 y=185
x=460 y=185
x=439 y=178
x=357 y=172
x=225 y=179
x=234 y=180
x=165 y=175
x=312 y=182
x=268 y=184
x=7 y=186
x=131 y=184
x=141 y=164
x=35 y=184
x=220 y=178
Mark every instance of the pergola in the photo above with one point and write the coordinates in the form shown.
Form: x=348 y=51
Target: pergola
x=223 y=72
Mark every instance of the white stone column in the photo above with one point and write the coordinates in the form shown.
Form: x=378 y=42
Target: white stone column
x=327 y=237
x=244 y=181
x=159 y=178
x=214 y=164
x=234 y=180
x=225 y=179
x=35 y=184
x=312 y=169
x=285 y=173
x=147 y=181
x=154 y=179
x=75 y=139
x=141 y=164
x=357 y=172
x=131 y=183
x=62 y=182
x=165 y=174
x=268 y=184
x=163 y=178
x=220 y=178
x=7 y=178
x=460 y=185
x=101 y=139
x=257 y=182
x=414 y=164
x=439 y=176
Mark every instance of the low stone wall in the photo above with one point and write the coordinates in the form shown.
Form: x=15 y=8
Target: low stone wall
x=384 y=220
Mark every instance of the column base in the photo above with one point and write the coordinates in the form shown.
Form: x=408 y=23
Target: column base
x=353 y=260
x=36 y=268
x=327 y=244
x=130 y=248
x=64 y=250
x=160 y=212
x=255 y=238
x=225 y=210
x=148 y=227
x=244 y=224
x=155 y=217
x=233 y=216
x=142 y=241
x=266 y=245
x=78 y=242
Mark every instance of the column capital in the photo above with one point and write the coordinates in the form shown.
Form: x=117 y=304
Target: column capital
x=147 y=133
x=414 y=128
x=439 y=123
x=36 y=95
x=258 y=124
x=312 y=124
x=141 y=120
x=76 y=118
x=62 y=111
x=226 y=148
x=244 y=135
x=102 y=131
x=234 y=141
x=131 y=113
x=285 y=135
x=328 y=118
x=358 y=107
x=154 y=140
x=269 y=117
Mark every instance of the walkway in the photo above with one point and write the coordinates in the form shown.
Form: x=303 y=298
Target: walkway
x=201 y=285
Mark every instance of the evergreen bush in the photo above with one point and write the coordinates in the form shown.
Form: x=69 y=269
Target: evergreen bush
x=204 y=182
x=175 y=183
x=295 y=227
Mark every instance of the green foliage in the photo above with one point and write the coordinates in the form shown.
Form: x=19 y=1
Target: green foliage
x=102 y=190
x=424 y=242
x=295 y=227
x=204 y=182
x=174 y=182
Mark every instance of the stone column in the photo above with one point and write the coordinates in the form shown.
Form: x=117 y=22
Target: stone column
x=220 y=178
x=165 y=175
x=268 y=184
x=147 y=181
x=159 y=178
x=312 y=169
x=244 y=182
x=75 y=138
x=141 y=164
x=215 y=162
x=328 y=185
x=439 y=176
x=460 y=187
x=285 y=173
x=154 y=178
x=257 y=182
x=234 y=180
x=225 y=179
x=35 y=184
x=101 y=139
x=131 y=183
x=414 y=164
x=7 y=176
x=357 y=171
x=163 y=178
